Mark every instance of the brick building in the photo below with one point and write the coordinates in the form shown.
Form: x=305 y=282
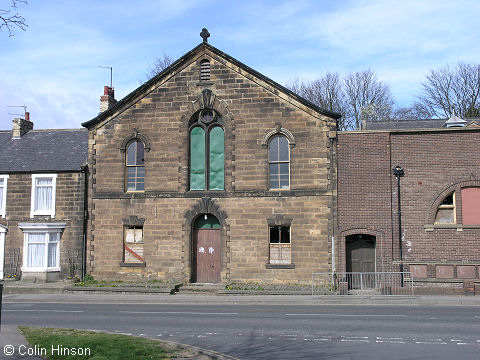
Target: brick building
x=210 y=172
x=42 y=184
x=439 y=197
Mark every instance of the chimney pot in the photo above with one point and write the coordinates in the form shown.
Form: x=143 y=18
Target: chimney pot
x=21 y=126
x=107 y=100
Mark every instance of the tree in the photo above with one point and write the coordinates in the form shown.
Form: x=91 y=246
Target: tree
x=11 y=19
x=325 y=92
x=358 y=96
x=159 y=64
x=450 y=89
x=368 y=99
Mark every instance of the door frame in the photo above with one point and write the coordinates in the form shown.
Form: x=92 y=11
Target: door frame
x=348 y=257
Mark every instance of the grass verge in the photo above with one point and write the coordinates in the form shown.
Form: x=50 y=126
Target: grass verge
x=80 y=344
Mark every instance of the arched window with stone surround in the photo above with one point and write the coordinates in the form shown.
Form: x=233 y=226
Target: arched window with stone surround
x=278 y=162
x=135 y=166
x=207 y=151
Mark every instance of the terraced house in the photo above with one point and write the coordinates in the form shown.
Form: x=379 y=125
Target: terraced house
x=210 y=172
x=42 y=202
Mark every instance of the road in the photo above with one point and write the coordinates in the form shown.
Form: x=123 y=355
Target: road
x=276 y=331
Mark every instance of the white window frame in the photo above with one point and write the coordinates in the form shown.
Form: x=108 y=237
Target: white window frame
x=3 y=208
x=54 y=187
x=41 y=228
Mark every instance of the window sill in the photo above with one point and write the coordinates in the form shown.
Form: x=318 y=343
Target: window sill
x=122 y=264
x=280 y=266
x=458 y=227
x=40 y=270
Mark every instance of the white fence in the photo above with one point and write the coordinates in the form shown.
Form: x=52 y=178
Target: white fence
x=358 y=283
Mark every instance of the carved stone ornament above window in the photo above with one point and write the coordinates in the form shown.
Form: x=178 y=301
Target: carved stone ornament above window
x=133 y=220
x=135 y=135
x=278 y=130
x=279 y=220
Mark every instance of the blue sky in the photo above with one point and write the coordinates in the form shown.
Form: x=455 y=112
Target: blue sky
x=52 y=67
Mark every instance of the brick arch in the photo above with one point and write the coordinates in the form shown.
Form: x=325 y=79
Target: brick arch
x=135 y=135
x=380 y=246
x=455 y=187
x=278 y=130
x=207 y=100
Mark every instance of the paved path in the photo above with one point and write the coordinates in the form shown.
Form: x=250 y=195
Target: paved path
x=13 y=345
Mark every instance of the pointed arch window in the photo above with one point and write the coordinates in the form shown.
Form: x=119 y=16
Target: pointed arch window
x=279 y=163
x=135 y=166
x=207 y=152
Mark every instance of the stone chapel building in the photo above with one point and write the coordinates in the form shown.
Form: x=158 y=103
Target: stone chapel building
x=211 y=172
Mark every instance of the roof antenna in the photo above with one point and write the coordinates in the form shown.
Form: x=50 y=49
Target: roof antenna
x=111 y=73
x=18 y=106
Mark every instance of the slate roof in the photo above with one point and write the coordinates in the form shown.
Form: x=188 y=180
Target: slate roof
x=185 y=58
x=43 y=151
x=405 y=124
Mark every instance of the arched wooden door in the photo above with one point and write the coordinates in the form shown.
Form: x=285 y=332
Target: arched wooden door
x=206 y=245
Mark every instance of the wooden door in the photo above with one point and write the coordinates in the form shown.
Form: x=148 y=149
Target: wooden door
x=360 y=256
x=207 y=247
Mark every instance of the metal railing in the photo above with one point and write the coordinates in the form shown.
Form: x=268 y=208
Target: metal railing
x=362 y=283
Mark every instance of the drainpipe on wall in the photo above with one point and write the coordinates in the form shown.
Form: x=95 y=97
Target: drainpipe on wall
x=399 y=172
x=85 y=220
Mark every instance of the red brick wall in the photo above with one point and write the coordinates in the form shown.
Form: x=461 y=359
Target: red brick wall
x=435 y=163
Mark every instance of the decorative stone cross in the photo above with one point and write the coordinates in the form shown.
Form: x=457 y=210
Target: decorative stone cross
x=205 y=35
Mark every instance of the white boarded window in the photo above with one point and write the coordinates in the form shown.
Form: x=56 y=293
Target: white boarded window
x=133 y=245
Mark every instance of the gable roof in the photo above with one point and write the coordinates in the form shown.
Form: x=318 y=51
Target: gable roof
x=43 y=151
x=405 y=124
x=184 y=59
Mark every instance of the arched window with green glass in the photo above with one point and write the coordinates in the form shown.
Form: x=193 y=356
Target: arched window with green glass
x=207 y=152
x=135 y=166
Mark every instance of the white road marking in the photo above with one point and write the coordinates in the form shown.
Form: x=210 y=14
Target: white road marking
x=55 y=311
x=430 y=341
x=347 y=315
x=390 y=340
x=355 y=338
x=176 y=312
x=322 y=339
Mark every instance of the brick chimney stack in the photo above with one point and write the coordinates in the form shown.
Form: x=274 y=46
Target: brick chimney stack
x=107 y=100
x=21 y=126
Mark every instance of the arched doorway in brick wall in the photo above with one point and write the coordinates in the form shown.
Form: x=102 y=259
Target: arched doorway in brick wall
x=360 y=253
x=206 y=245
x=360 y=259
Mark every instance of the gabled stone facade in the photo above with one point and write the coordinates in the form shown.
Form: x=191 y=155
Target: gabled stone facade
x=251 y=109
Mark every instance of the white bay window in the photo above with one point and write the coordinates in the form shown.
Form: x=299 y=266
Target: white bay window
x=43 y=194
x=41 y=250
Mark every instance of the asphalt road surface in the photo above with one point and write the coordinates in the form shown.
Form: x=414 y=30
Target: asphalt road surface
x=253 y=332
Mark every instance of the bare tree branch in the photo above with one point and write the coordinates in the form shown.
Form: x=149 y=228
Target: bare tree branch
x=447 y=88
x=159 y=64
x=11 y=19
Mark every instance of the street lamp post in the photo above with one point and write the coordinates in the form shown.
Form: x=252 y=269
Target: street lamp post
x=399 y=172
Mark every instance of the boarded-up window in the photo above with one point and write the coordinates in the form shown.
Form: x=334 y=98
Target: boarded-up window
x=471 y=206
x=133 y=245
x=280 y=246
x=197 y=159
x=446 y=211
